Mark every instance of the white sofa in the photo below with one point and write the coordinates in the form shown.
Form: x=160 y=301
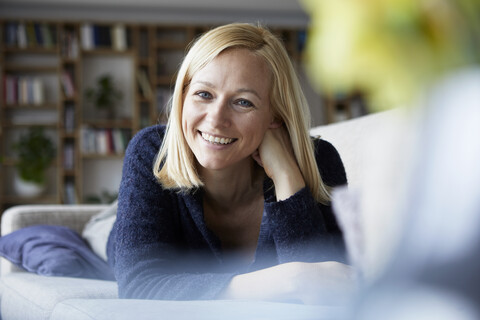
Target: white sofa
x=30 y=296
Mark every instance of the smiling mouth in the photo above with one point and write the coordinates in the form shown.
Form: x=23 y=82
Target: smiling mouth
x=216 y=140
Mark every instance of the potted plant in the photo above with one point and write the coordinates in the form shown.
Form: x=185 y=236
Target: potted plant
x=35 y=152
x=105 y=95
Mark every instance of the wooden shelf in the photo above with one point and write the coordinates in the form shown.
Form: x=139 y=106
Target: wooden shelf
x=8 y=124
x=171 y=45
x=68 y=173
x=45 y=106
x=31 y=69
x=102 y=156
x=73 y=98
x=68 y=60
x=143 y=62
x=107 y=52
x=73 y=135
x=30 y=50
x=127 y=124
x=9 y=162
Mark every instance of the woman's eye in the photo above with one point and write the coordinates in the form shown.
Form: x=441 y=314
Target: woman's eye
x=244 y=103
x=204 y=95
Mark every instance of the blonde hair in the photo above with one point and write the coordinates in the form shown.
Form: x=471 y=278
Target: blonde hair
x=175 y=165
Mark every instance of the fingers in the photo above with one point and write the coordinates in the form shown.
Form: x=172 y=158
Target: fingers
x=275 y=153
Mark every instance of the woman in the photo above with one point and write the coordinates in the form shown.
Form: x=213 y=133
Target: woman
x=238 y=195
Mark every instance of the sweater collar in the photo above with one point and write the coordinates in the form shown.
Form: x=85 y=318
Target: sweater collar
x=194 y=203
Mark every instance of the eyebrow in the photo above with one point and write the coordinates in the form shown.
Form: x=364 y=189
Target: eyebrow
x=241 y=90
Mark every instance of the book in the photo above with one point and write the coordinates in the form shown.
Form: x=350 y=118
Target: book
x=87 y=140
x=119 y=37
x=87 y=36
x=102 y=36
x=47 y=36
x=30 y=93
x=67 y=84
x=69 y=44
x=31 y=37
x=38 y=91
x=101 y=141
x=38 y=34
x=110 y=144
x=11 y=34
x=23 y=90
x=21 y=36
x=144 y=84
x=10 y=89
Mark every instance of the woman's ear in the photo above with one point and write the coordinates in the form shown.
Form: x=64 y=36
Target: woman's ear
x=275 y=123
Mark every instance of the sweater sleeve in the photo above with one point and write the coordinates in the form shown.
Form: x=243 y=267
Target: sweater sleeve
x=303 y=229
x=145 y=246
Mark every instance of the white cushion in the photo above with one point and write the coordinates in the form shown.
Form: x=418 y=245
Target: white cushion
x=29 y=296
x=98 y=228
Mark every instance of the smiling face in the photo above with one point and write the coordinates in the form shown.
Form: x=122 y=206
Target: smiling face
x=226 y=110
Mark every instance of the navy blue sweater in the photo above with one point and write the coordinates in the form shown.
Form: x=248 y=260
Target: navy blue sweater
x=161 y=248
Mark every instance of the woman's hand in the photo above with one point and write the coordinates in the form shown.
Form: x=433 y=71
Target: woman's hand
x=330 y=282
x=275 y=155
x=321 y=283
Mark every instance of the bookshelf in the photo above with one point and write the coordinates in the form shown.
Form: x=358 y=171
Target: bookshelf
x=69 y=171
x=55 y=62
x=30 y=97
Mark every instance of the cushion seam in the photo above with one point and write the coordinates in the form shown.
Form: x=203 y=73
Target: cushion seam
x=8 y=286
x=68 y=303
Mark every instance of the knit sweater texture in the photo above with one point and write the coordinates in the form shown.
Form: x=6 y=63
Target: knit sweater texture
x=161 y=248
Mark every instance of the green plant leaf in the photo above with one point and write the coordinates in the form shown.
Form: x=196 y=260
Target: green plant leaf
x=35 y=152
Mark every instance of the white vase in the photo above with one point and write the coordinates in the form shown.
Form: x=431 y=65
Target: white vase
x=27 y=189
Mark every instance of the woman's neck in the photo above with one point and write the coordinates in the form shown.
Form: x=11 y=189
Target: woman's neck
x=231 y=186
x=233 y=207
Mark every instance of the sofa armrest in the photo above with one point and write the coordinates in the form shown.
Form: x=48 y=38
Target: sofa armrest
x=72 y=216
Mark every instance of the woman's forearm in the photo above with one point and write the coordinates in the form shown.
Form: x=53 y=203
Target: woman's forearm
x=272 y=284
x=288 y=183
x=310 y=283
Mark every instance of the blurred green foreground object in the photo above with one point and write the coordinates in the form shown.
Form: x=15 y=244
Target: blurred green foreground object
x=391 y=50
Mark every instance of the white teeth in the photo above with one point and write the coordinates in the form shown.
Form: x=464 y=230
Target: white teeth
x=216 y=140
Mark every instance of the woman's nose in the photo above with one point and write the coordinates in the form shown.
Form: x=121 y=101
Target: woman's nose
x=218 y=114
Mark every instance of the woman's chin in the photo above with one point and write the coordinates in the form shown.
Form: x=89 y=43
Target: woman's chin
x=222 y=164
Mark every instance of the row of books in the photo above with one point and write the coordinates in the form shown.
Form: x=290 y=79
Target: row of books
x=102 y=36
x=30 y=34
x=104 y=141
x=23 y=90
x=69 y=44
